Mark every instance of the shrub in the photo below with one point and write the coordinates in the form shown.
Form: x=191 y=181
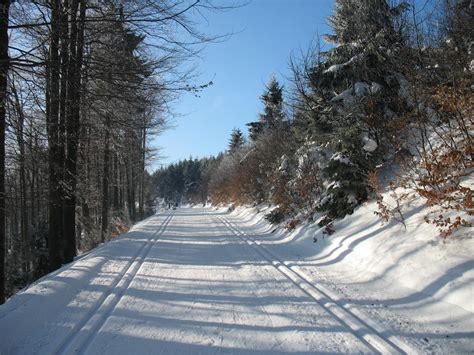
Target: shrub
x=274 y=217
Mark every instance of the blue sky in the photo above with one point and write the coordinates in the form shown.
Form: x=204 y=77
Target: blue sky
x=266 y=32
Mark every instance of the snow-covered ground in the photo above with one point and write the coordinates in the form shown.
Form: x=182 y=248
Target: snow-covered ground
x=201 y=280
x=412 y=283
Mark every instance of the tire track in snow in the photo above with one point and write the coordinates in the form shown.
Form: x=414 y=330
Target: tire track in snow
x=64 y=271
x=83 y=332
x=214 y=223
x=370 y=333
x=278 y=343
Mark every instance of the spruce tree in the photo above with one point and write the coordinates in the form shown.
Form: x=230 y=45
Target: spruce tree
x=459 y=34
x=272 y=116
x=236 y=140
x=356 y=85
x=272 y=100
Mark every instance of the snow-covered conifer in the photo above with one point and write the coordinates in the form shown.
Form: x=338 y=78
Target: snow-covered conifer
x=272 y=116
x=355 y=83
x=236 y=140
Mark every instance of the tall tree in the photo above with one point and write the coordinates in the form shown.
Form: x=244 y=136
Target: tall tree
x=236 y=140
x=458 y=33
x=349 y=89
x=272 y=116
x=76 y=24
x=4 y=65
x=55 y=141
x=20 y=138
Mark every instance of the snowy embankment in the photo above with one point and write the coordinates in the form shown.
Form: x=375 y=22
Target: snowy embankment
x=410 y=279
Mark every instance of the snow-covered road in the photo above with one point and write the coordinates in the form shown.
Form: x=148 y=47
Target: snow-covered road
x=186 y=281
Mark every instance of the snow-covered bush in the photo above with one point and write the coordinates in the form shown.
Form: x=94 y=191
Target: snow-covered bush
x=276 y=216
x=445 y=161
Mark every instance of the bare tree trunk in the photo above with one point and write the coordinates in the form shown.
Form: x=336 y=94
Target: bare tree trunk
x=32 y=183
x=105 y=182
x=55 y=231
x=36 y=183
x=122 y=189
x=142 y=173
x=116 y=174
x=4 y=64
x=22 y=175
x=63 y=68
x=131 y=190
x=73 y=101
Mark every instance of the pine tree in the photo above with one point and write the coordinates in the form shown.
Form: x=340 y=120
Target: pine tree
x=236 y=140
x=354 y=87
x=272 y=99
x=366 y=47
x=459 y=46
x=272 y=116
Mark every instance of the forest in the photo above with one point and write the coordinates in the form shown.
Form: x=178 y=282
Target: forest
x=85 y=85
x=390 y=105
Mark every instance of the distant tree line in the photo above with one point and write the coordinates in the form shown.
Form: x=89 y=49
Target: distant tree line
x=186 y=181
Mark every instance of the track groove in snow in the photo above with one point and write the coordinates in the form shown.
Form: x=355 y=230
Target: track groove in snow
x=368 y=331
x=197 y=281
x=85 y=330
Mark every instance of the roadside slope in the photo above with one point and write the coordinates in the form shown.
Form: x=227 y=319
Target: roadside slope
x=410 y=279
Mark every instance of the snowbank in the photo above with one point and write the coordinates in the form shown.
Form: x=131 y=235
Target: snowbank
x=386 y=270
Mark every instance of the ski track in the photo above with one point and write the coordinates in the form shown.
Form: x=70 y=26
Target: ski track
x=86 y=329
x=186 y=281
x=64 y=271
x=367 y=330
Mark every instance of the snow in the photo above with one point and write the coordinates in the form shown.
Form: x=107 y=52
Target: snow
x=205 y=280
x=182 y=285
x=361 y=88
x=405 y=90
x=284 y=163
x=351 y=199
x=369 y=144
x=326 y=198
x=409 y=281
x=313 y=153
x=345 y=96
x=341 y=158
x=375 y=88
x=333 y=185
x=334 y=68
x=355 y=59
